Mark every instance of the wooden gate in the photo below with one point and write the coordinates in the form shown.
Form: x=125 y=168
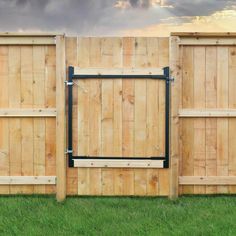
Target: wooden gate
x=115 y=117
x=203 y=113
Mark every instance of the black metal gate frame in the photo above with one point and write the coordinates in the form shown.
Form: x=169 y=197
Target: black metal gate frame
x=69 y=83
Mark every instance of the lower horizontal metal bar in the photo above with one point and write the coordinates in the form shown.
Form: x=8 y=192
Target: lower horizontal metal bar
x=117 y=158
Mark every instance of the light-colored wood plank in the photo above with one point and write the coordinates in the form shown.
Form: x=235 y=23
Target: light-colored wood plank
x=27 y=141
x=4 y=123
x=14 y=124
x=28 y=112
x=163 y=45
x=60 y=125
x=187 y=124
x=211 y=100
x=33 y=34
x=117 y=122
x=83 y=90
x=95 y=117
x=209 y=112
x=199 y=124
x=222 y=123
x=107 y=115
x=207 y=180
x=50 y=123
x=118 y=71
x=232 y=121
x=175 y=101
x=128 y=115
x=204 y=34
x=27 y=40
x=39 y=123
x=71 y=48
x=113 y=163
x=27 y=180
x=207 y=41
x=152 y=127
x=140 y=105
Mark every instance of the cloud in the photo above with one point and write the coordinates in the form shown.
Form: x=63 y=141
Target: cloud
x=99 y=17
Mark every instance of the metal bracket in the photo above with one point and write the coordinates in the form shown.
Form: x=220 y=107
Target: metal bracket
x=68 y=83
x=68 y=151
x=171 y=79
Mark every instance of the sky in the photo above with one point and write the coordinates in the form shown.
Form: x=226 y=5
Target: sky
x=117 y=17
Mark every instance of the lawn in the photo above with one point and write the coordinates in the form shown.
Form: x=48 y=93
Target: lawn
x=38 y=215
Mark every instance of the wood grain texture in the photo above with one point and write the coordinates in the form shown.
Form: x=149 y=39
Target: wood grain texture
x=207 y=117
x=125 y=116
x=4 y=123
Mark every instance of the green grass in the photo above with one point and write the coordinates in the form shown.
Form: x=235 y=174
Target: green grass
x=37 y=215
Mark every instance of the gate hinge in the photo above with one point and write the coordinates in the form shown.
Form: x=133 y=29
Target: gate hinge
x=171 y=79
x=68 y=83
x=68 y=151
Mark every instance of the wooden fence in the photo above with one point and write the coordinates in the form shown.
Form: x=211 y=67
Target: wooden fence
x=117 y=117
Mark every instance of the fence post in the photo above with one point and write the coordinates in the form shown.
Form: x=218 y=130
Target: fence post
x=174 y=137
x=60 y=120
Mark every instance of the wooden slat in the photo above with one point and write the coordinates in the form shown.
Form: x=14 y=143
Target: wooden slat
x=140 y=116
x=107 y=121
x=28 y=34
x=71 y=59
x=28 y=112
x=60 y=125
x=211 y=123
x=204 y=34
x=14 y=124
x=39 y=123
x=175 y=101
x=199 y=124
x=118 y=71
x=27 y=140
x=81 y=119
x=207 y=41
x=207 y=180
x=27 y=180
x=4 y=123
x=94 y=58
x=163 y=48
x=222 y=123
x=232 y=121
x=128 y=115
x=27 y=40
x=212 y=112
x=117 y=122
x=153 y=127
x=187 y=133
x=109 y=163
x=50 y=123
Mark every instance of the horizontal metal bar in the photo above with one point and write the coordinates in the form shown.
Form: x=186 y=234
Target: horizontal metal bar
x=111 y=163
x=117 y=158
x=161 y=77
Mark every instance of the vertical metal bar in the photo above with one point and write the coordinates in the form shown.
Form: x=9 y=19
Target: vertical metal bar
x=70 y=106
x=167 y=114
